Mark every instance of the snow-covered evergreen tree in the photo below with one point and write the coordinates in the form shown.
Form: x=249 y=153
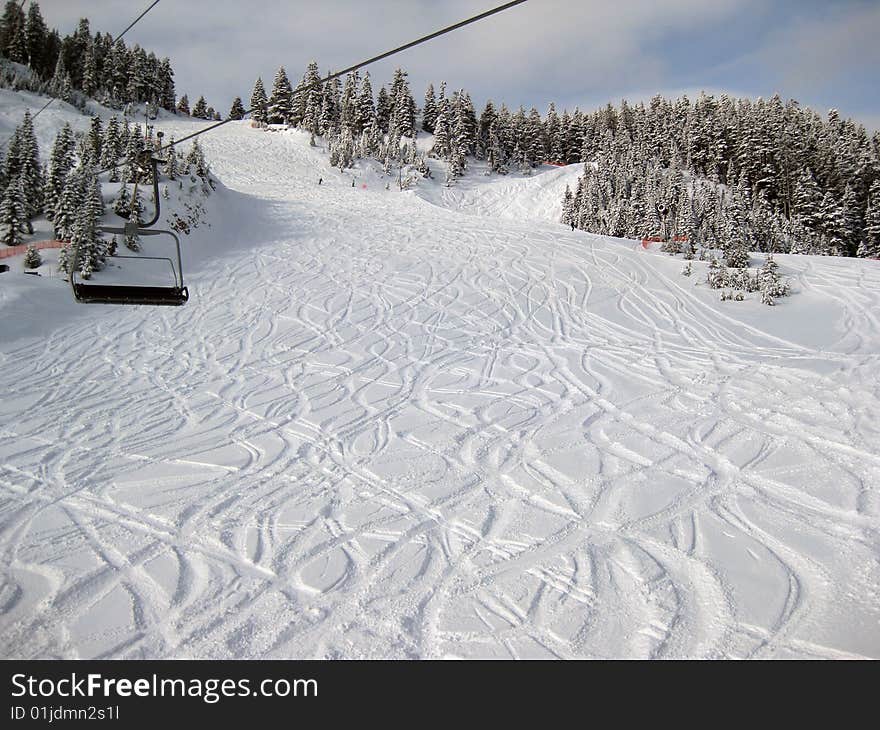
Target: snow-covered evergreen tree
x=30 y=172
x=196 y=160
x=280 y=105
x=200 y=109
x=60 y=165
x=32 y=258
x=94 y=142
x=135 y=215
x=429 y=110
x=403 y=107
x=236 y=111
x=442 y=131
x=12 y=214
x=306 y=100
x=259 y=103
x=37 y=40
x=870 y=244
x=122 y=203
x=383 y=110
x=329 y=119
x=68 y=206
x=366 y=109
x=111 y=149
x=171 y=168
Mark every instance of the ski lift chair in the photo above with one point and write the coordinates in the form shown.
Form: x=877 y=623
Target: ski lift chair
x=173 y=295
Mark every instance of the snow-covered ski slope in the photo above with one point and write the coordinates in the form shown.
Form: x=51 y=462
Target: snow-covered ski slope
x=383 y=427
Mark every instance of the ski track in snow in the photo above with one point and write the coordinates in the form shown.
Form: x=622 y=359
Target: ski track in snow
x=386 y=428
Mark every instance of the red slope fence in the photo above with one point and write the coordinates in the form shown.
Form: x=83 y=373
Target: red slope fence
x=8 y=251
x=648 y=240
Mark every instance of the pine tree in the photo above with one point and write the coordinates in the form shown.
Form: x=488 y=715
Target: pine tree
x=259 y=103
x=311 y=120
x=32 y=258
x=468 y=121
x=135 y=215
x=90 y=79
x=236 y=112
x=60 y=165
x=29 y=170
x=306 y=100
x=429 y=110
x=533 y=139
x=12 y=214
x=82 y=241
x=137 y=76
x=870 y=245
x=488 y=121
x=67 y=208
x=196 y=160
x=37 y=39
x=166 y=92
x=171 y=162
x=64 y=261
x=95 y=200
x=770 y=283
x=383 y=110
x=366 y=109
x=122 y=204
x=90 y=249
x=183 y=105
x=200 y=110
x=458 y=153
x=329 y=111
x=568 y=207
x=12 y=166
x=851 y=213
x=10 y=25
x=348 y=103
x=403 y=108
x=94 y=142
x=111 y=150
x=13 y=37
x=442 y=132
x=280 y=105
x=551 y=134
x=832 y=226
x=736 y=243
x=717 y=274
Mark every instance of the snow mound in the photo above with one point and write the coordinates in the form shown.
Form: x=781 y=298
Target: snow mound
x=537 y=197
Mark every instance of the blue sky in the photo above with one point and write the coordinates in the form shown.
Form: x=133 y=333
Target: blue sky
x=586 y=53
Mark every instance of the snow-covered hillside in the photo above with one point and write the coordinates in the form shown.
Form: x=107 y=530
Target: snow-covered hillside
x=436 y=423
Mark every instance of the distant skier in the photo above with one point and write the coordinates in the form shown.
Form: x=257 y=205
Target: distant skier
x=352 y=182
x=572 y=226
x=320 y=180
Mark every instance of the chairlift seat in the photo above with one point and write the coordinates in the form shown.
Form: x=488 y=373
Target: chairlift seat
x=174 y=295
x=113 y=294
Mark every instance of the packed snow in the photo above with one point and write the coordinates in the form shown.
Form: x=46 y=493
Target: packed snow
x=436 y=423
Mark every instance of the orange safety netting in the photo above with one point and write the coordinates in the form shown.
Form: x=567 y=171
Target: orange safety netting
x=8 y=251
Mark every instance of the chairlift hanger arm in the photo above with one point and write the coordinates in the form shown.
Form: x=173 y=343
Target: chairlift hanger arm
x=148 y=163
